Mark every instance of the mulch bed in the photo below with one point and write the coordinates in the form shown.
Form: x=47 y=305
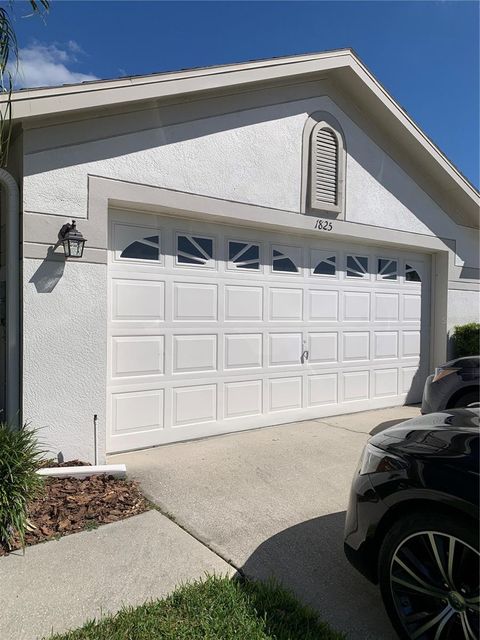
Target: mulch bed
x=68 y=505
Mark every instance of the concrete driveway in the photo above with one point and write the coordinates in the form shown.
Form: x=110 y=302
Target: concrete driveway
x=272 y=503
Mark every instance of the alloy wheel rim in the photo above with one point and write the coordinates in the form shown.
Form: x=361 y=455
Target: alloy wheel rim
x=434 y=584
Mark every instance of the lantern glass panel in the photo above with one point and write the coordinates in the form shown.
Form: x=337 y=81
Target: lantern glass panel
x=76 y=248
x=66 y=248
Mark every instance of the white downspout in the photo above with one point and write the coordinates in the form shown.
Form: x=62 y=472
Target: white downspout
x=12 y=321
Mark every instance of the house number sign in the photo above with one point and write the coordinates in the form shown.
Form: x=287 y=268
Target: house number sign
x=323 y=225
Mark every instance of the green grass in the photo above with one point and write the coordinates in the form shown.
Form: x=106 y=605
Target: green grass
x=212 y=609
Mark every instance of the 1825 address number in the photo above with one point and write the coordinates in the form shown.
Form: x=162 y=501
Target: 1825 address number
x=323 y=225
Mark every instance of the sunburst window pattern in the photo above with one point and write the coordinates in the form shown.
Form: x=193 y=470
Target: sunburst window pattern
x=281 y=262
x=357 y=266
x=194 y=250
x=244 y=255
x=144 y=249
x=387 y=269
x=326 y=267
x=411 y=274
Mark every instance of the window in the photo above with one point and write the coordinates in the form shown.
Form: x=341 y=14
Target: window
x=387 y=269
x=244 y=255
x=144 y=249
x=326 y=267
x=281 y=262
x=323 y=164
x=411 y=274
x=357 y=267
x=194 y=250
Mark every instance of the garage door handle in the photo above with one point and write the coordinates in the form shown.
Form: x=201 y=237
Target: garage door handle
x=304 y=356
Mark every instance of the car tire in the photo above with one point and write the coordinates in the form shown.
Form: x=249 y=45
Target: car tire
x=464 y=400
x=448 y=597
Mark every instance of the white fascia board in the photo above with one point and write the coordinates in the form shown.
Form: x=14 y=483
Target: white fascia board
x=103 y=93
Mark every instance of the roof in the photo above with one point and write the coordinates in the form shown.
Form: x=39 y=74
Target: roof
x=342 y=65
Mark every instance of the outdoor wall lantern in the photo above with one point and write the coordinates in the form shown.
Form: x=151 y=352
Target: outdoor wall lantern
x=72 y=240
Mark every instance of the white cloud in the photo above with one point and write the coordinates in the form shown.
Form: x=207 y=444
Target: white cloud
x=41 y=65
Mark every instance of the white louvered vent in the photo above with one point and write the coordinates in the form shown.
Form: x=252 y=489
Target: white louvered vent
x=324 y=168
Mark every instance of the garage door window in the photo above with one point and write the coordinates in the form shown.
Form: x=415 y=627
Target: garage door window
x=387 y=269
x=194 y=250
x=411 y=274
x=244 y=255
x=281 y=262
x=144 y=249
x=326 y=267
x=357 y=267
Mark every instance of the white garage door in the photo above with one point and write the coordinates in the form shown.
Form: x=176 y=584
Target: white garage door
x=214 y=328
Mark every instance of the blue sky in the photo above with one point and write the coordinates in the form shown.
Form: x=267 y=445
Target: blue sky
x=424 y=53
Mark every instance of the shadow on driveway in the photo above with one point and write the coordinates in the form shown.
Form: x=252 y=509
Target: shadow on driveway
x=308 y=558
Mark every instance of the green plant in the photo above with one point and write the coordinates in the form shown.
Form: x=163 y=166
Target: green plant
x=466 y=339
x=8 y=67
x=20 y=457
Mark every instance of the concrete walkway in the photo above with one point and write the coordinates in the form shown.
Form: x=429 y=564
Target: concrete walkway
x=272 y=502
x=59 y=585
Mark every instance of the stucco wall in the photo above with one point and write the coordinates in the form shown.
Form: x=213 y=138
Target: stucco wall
x=252 y=156
x=463 y=306
x=64 y=357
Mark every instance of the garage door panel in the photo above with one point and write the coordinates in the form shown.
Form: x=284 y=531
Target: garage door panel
x=411 y=344
x=195 y=301
x=286 y=304
x=243 y=350
x=323 y=305
x=194 y=353
x=385 y=345
x=356 y=345
x=243 y=303
x=137 y=411
x=322 y=389
x=385 y=382
x=194 y=405
x=210 y=337
x=356 y=385
x=412 y=308
x=134 y=300
x=243 y=398
x=356 y=306
x=323 y=347
x=137 y=355
x=285 y=393
x=285 y=349
x=386 y=307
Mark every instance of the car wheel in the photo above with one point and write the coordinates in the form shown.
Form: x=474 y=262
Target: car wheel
x=464 y=400
x=428 y=574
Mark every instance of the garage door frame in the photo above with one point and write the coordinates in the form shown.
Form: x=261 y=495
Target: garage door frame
x=105 y=194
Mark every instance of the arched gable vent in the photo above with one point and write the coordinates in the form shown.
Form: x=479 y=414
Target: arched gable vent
x=324 y=167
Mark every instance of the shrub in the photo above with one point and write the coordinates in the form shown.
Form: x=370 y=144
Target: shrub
x=466 y=340
x=20 y=457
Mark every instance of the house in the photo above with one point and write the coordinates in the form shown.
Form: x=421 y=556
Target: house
x=265 y=242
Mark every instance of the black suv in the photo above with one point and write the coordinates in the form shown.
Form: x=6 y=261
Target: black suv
x=413 y=524
x=454 y=384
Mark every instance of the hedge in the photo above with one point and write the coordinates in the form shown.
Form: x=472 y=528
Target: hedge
x=466 y=340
